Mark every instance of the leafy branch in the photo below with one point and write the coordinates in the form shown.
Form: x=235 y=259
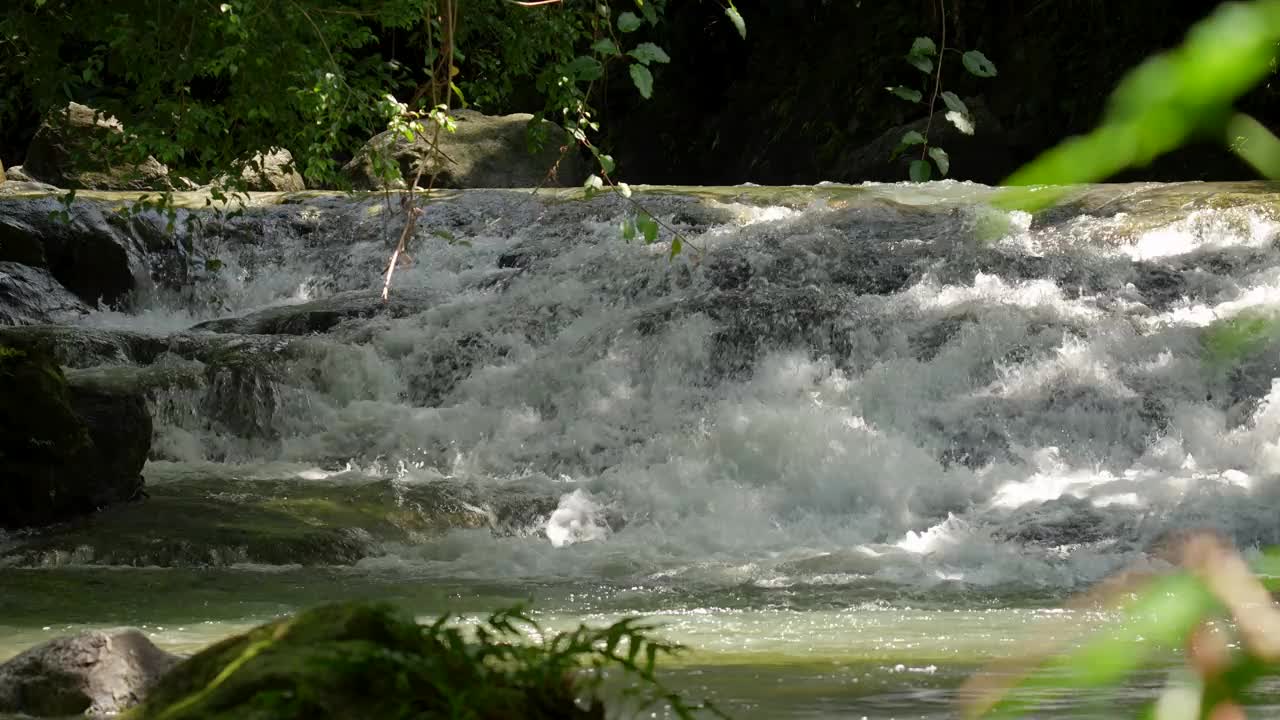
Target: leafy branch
x=927 y=57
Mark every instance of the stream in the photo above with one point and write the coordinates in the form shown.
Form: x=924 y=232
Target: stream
x=851 y=445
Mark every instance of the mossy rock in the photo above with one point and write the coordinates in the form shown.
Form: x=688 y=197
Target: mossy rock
x=218 y=521
x=346 y=661
x=42 y=440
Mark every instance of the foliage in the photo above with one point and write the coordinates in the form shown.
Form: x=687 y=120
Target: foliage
x=928 y=57
x=1213 y=607
x=202 y=86
x=349 y=660
x=1171 y=99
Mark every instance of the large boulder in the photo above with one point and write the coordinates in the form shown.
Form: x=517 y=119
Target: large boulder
x=97 y=672
x=89 y=254
x=31 y=296
x=79 y=147
x=485 y=152
x=356 y=660
x=272 y=171
x=64 y=452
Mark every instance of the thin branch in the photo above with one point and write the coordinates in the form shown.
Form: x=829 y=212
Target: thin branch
x=937 y=83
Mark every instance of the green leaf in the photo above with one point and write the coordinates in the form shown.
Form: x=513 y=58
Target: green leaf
x=606 y=163
x=735 y=17
x=1160 y=618
x=954 y=103
x=978 y=64
x=648 y=52
x=906 y=93
x=643 y=80
x=912 y=137
x=650 y=14
x=676 y=246
x=922 y=63
x=941 y=160
x=921 y=51
x=923 y=46
x=605 y=46
x=629 y=229
x=648 y=227
x=585 y=68
x=629 y=22
x=920 y=171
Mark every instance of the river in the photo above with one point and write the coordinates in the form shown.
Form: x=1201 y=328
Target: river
x=850 y=446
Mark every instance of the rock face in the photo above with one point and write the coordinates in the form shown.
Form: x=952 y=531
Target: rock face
x=353 y=660
x=99 y=672
x=983 y=155
x=273 y=171
x=64 y=452
x=17 y=174
x=485 y=152
x=91 y=256
x=30 y=296
x=70 y=148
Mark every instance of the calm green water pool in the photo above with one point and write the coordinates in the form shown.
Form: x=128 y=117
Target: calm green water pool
x=818 y=653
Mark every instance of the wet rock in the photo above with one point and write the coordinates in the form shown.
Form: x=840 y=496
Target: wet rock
x=320 y=316
x=353 y=660
x=97 y=672
x=30 y=296
x=120 y=429
x=485 y=152
x=88 y=255
x=79 y=347
x=64 y=452
x=81 y=148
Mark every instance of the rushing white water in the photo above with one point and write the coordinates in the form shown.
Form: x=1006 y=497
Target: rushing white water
x=875 y=385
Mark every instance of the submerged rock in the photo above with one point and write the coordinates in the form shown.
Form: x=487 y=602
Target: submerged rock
x=358 y=660
x=485 y=152
x=64 y=452
x=97 y=672
x=72 y=150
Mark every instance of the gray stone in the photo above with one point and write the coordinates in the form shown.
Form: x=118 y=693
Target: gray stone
x=74 y=147
x=17 y=174
x=96 y=672
x=485 y=152
x=272 y=171
x=31 y=296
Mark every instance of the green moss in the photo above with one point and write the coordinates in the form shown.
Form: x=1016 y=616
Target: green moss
x=1227 y=342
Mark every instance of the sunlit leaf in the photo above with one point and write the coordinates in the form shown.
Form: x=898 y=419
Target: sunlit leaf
x=648 y=227
x=963 y=122
x=735 y=17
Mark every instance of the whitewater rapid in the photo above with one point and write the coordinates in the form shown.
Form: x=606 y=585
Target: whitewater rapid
x=840 y=386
